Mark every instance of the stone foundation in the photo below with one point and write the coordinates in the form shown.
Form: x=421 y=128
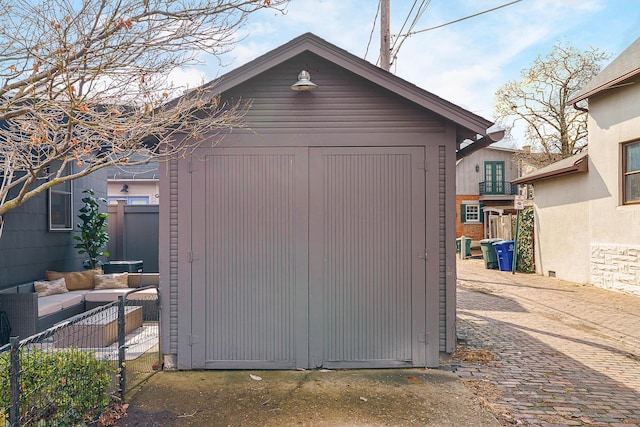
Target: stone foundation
x=616 y=267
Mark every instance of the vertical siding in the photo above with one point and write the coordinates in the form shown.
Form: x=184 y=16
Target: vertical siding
x=250 y=258
x=366 y=256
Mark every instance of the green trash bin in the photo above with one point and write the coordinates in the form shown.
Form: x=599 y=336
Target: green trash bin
x=467 y=245
x=489 y=253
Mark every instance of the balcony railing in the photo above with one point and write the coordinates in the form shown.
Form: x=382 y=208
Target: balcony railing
x=498 y=188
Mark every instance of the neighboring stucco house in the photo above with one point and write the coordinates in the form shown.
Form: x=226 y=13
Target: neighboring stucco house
x=37 y=236
x=588 y=207
x=325 y=234
x=483 y=188
x=135 y=185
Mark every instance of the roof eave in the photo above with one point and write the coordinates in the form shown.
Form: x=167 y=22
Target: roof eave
x=604 y=87
x=579 y=166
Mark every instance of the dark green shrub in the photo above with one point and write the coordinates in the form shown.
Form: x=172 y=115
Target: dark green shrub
x=525 y=262
x=63 y=388
x=93 y=235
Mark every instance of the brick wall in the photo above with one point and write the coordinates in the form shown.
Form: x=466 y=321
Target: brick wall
x=474 y=231
x=616 y=267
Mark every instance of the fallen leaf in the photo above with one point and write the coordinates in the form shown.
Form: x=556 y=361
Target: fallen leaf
x=255 y=377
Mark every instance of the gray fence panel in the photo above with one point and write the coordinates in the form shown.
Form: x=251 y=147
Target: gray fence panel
x=134 y=234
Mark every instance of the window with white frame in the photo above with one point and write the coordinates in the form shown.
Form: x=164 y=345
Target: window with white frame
x=470 y=212
x=631 y=172
x=61 y=205
x=473 y=213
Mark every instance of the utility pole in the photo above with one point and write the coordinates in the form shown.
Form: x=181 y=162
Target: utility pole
x=385 y=35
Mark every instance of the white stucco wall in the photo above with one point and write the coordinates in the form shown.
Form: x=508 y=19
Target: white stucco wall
x=584 y=233
x=561 y=234
x=614 y=118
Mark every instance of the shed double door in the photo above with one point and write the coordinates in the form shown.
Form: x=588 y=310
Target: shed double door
x=308 y=257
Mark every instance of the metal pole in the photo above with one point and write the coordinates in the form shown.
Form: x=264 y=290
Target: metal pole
x=385 y=35
x=515 y=244
x=121 y=344
x=14 y=379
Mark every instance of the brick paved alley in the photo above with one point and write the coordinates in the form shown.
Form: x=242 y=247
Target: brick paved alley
x=567 y=354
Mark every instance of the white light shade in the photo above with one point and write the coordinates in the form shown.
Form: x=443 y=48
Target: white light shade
x=304 y=82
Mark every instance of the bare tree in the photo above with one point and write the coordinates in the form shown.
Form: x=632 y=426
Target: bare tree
x=83 y=85
x=540 y=100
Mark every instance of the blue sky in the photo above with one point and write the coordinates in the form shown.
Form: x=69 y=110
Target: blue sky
x=464 y=63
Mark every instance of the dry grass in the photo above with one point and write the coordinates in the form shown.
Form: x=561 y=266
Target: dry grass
x=473 y=355
x=488 y=394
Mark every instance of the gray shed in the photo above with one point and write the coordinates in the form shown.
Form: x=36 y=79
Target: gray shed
x=325 y=236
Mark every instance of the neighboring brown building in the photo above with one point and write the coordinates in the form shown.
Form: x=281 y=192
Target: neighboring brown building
x=325 y=236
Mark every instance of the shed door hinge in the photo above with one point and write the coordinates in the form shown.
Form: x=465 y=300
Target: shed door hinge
x=194 y=339
x=423 y=255
x=422 y=166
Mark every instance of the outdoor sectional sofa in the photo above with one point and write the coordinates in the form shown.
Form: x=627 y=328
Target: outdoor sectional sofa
x=29 y=313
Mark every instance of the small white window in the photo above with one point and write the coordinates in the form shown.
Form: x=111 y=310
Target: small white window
x=472 y=213
x=61 y=205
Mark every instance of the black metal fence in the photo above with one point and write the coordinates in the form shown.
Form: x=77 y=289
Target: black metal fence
x=69 y=374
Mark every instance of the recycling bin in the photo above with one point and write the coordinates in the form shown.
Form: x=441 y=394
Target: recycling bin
x=122 y=267
x=504 y=253
x=489 y=253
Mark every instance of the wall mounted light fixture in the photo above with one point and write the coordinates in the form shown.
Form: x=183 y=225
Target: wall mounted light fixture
x=477 y=168
x=304 y=82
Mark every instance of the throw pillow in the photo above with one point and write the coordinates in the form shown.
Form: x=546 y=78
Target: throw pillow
x=44 y=288
x=111 y=281
x=76 y=280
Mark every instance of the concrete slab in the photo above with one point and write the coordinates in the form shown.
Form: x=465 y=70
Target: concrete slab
x=383 y=397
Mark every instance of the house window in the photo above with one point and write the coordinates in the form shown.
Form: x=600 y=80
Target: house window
x=61 y=205
x=631 y=172
x=471 y=213
x=134 y=200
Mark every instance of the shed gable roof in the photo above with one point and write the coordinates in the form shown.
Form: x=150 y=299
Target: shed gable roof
x=312 y=43
x=623 y=67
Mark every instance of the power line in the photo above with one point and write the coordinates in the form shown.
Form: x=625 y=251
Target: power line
x=373 y=28
x=402 y=38
x=404 y=23
x=461 y=19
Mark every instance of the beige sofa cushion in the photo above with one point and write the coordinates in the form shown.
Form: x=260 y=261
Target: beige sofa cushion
x=110 y=295
x=111 y=281
x=44 y=288
x=76 y=280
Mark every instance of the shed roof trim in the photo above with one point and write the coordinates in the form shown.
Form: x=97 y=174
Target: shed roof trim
x=575 y=164
x=312 y=43
x=623 y=67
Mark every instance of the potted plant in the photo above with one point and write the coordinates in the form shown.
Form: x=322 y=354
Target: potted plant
x=93 y=235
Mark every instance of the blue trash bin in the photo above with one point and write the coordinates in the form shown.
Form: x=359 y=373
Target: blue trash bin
x=504 y=253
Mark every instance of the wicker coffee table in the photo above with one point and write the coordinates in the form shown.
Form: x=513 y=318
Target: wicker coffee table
x=99 y=330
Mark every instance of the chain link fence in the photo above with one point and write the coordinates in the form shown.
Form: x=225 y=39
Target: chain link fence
x=69 y=374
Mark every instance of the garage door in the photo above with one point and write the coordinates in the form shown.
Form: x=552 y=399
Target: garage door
x=309 y=257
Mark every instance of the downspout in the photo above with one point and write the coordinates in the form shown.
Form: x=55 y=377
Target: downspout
x=583 y=109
